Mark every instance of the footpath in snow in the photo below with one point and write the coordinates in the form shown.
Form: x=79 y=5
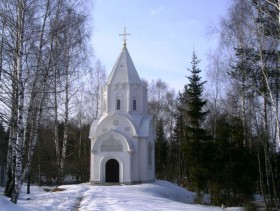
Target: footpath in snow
x=160 y=195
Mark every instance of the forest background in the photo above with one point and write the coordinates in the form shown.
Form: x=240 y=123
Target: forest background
x=218 y=137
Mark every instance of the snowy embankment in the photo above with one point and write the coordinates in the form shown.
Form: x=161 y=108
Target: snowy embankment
x=160 y=195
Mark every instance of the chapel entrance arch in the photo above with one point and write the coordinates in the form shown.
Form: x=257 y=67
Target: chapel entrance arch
x=112 y=171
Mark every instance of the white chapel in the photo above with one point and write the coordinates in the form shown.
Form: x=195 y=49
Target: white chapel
x=123 y=138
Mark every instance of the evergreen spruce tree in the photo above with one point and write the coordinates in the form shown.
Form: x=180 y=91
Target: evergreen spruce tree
x=195 y=103
x=179 y=138
x=196 y=145
x=161 y=152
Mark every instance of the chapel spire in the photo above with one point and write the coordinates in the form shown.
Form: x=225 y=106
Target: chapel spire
x=124 y=36
x=124 y=70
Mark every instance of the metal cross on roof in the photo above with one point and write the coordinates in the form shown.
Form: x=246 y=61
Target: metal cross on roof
x=124 y=36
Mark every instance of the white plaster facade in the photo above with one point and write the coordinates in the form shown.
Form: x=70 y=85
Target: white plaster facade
x=123 y=138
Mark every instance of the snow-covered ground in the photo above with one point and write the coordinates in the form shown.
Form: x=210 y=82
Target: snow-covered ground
x=160 y=195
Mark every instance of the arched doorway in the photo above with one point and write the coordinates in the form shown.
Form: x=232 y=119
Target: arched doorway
x=112 y=171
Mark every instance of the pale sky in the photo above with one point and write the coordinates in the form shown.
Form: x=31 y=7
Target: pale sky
x=164 y=34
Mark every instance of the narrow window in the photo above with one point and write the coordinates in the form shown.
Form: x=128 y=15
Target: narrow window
x=150 y=149
x=118 y=104
x=134 y=105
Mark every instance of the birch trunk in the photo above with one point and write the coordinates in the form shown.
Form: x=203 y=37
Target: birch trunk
x=65 y=135
x=11 y=157
x=66 y=118
x=35 y=110
x=80 y=124
x=273 y=101
x=56 y=79
x=12 y=138
x=34 y=141
x=2 y=49
x=268 y=97
x=57 y=151
x=20 y=131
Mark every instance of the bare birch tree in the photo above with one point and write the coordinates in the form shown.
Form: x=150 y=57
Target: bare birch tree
x=33 y=58
x=21 y=13
x=251 y=31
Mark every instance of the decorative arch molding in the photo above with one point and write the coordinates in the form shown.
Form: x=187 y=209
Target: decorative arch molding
x=111 y=145
x=112 y=141
x=120 y=117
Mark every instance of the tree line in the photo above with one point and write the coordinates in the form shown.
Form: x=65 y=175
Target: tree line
x=44 y=66
x=219 y=137
x=224 y=140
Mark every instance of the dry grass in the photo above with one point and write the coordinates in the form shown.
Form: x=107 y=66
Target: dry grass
x=57 y=189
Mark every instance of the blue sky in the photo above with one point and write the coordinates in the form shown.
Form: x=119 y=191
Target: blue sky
x=164 y=34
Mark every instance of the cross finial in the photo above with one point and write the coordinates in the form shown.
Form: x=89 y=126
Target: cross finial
x=124 y=36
